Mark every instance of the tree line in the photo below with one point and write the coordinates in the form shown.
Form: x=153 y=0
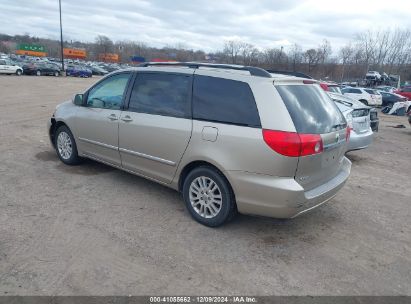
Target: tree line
x=387 y=50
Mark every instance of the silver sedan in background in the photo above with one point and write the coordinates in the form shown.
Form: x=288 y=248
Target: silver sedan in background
x=358 y=117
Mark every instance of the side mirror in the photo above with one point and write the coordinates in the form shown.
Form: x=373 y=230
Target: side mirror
x=78 y=99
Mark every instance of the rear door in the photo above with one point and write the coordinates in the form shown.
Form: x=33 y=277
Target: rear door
x=313 y=112
x=155 y=129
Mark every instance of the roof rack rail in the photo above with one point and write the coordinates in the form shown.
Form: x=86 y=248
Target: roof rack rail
x=296 y=74
x=254 y=71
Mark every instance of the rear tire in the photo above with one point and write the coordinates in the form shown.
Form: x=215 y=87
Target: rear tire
x=208 y=196
x=57 y=74
x=66 y=147
x=38 y=73
x=19 y=72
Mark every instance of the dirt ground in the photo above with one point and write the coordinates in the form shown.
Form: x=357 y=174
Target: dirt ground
x=95 y=230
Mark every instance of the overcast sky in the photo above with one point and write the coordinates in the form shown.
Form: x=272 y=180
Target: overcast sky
x=205 y=24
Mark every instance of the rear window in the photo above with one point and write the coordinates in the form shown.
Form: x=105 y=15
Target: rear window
x=225 y=101
x=334 y=89
x=372 y=92
x=311 y=109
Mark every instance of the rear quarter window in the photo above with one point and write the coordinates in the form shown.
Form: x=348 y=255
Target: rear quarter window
x=311 y=109
x=225 y=101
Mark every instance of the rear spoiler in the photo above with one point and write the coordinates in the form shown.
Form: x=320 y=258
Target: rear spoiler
x=296 y=74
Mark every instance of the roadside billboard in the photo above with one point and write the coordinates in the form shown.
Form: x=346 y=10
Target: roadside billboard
x=31 y=50
x=109 y=57
x=30 y=53
x=74 y=53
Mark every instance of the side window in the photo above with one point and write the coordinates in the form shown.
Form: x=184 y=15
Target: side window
x=2 y=62
x=225 y=101
x=108 y=94
x=407 y=90
x=355 y=91
x=161 y=94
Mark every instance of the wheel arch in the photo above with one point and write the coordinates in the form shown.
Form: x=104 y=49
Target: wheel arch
x=55 y=124
x=195 y=164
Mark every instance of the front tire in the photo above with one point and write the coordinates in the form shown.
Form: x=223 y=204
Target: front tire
x=66 y=147
x=57 y=74
x=208 y=196
x=19 y=72
x=38 y=73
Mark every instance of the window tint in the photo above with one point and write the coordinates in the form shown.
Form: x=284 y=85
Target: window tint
x=108 y=94
x=355 y=91
x=224 y=100
x=2 y=62
x=407 y=90
x=311 y=109
x=161 y=94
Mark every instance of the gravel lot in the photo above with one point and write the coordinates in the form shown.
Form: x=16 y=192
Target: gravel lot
x=95 y=230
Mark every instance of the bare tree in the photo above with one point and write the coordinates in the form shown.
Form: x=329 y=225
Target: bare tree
x=232 y=50
x=104 y=45
x=312 y=58
x=346 y=54
x=295 y=56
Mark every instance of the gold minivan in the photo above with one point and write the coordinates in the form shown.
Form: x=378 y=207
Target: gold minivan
x=229 y=138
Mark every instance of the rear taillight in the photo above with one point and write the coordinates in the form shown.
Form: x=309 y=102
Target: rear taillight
x=293 y=144
x=324 y=86
x=348 y=133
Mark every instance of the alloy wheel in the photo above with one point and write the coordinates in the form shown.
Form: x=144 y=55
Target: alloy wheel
x=205 y=197
x=64 y=145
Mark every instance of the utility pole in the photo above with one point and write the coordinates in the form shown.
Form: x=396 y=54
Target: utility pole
x=61 y=39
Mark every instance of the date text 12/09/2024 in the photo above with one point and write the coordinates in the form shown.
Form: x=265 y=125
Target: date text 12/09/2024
x=203 y=299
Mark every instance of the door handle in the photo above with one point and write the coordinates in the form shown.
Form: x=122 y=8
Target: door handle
x=126 y=118
x=112 y=117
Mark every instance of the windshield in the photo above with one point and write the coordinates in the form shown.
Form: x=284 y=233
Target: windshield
x=311 y=109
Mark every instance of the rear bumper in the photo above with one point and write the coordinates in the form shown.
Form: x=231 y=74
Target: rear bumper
x=282 y=197
x=360 y=140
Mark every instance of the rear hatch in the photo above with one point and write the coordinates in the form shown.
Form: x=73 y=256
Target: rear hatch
x=314 y=113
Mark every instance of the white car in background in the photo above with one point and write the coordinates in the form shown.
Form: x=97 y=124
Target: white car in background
x=375 y=95
x=362 y=95
x=373 y=75
x=6 y=67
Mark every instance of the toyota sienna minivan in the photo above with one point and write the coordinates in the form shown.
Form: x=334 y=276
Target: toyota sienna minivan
x=229 y=138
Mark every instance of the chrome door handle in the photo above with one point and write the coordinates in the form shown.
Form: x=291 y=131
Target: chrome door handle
x=126 y=118
x=112 y=117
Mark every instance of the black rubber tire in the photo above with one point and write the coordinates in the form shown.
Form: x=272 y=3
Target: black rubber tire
x=57 y=74
x=19 y=72
x=228 y=208
x=74 y=158
x=38 y=73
